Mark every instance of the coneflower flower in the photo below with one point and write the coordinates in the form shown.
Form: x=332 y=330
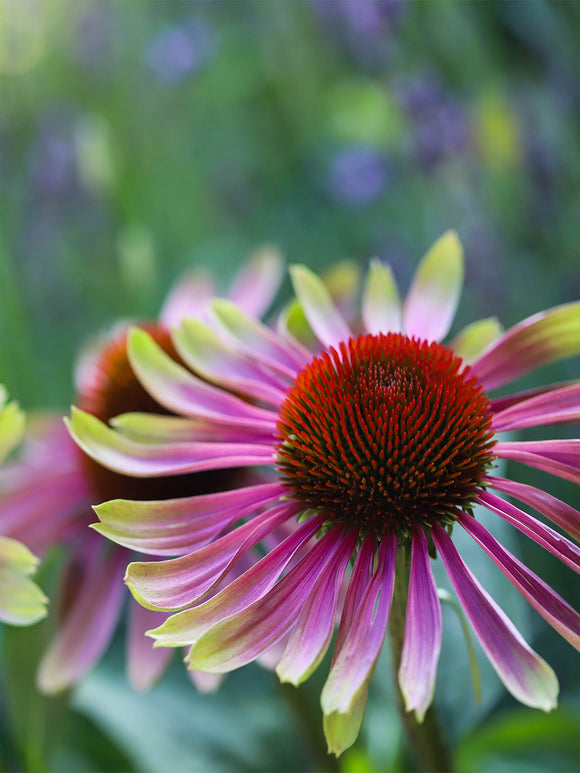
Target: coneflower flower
x=46 y=496
x=21 y=600
x=380 y=442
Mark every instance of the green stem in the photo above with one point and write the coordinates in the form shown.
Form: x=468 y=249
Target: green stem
x=425 y=738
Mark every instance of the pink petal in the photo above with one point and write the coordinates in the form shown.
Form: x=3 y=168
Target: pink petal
x=145 y=663
x=257 y=283
x=183 y=393
x=546 y=601
x=186 y=627
x=180 y=582
x=559 y=457
x=538 y=340
x=148 y=427
x=88 y=626
x=434 y=294
x=362 y=629
x=557 y=511
x=313 y=631
x=244 y=636
x=527 y=676
x=323 y=316
x=556 y=406
x=501 y=403
x=381 y=310
x=423 y=632
x=551 y=540
x=180 y=525
x=141 y=460
x=188 y=298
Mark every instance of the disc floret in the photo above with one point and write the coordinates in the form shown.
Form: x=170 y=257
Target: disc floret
x=385 y=432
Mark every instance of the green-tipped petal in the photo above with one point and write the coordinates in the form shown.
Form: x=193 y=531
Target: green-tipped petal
x=341 y=730
x=323 y=316
x=434 y=294
x=12 y=423
x=381 y=308
x=474 y=339
x=21 y=601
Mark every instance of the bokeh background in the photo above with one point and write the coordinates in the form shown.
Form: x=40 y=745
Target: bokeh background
x=140 y=139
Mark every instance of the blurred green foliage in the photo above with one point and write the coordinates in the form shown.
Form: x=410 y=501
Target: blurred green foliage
x=139 y=139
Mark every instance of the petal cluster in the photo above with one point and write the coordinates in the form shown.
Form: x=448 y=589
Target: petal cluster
x=261 y=568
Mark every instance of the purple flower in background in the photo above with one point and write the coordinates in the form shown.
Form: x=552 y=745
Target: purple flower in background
x=357 y=175
x=177 y=51
x=380 y=440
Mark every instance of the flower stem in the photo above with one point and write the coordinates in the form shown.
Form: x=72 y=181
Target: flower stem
x=425 y=738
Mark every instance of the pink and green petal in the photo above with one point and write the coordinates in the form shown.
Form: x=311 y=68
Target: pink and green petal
x=322 y=315
x=258 y=341
x=207 y=354
x=423 y=632
x=185 y=628
x=381 y=306
x=362 y=629
x=151 y=427
x=188 y=298
x=12 y=423
x=552 y=607
x=244 y=636
x=499 y=404
x=176 y=526
x=555 y=407
x=539 y=340
x=474 y=339
x=128 y=457
x=183 y=393
x=88 y=624
x=341 y=729
x=560 y=513
x=180 y=582
x=527 y=676
x=312 y=634
x=559 y=457
x=257 y=283
x=432 y=299
x=548 y=538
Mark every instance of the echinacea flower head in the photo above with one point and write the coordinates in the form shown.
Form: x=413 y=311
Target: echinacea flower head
x=380 y=440
x=47 y=493
x=21 y=600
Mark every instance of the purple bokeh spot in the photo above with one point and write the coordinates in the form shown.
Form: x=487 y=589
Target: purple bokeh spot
x=177 y=51
x=357 y=175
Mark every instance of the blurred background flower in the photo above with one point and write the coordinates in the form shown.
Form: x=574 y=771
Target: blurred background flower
x=139 y=139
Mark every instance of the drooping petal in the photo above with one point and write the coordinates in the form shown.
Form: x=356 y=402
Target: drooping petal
x=527 y=676
x=177 y=526
x=189 y=297
x=475 y=338
x=323 y=316
x=244 y=636
x=341 y=729
x=186 y=627
x=561 y=513
x=546 y=601
x=381 y=308
x=559 y=457
x=551 y=540
x=538 y=340
x=554 y=407
x=313 y=631
x=88 y=625
x=145 y=663
x=205 y=352
x=183 y=393
x=423 y=632
x=257 y=283
x=434 y=294
x=259 y=341
x=118 y=453
x=362 y=629
x=180 y=582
